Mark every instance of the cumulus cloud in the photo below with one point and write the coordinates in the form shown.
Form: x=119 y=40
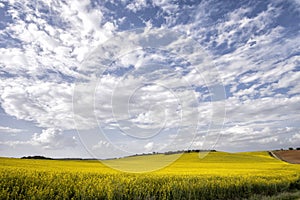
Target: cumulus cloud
x=48 y=104
x=52 y=139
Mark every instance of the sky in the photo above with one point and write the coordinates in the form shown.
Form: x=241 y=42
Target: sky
x=99 y=78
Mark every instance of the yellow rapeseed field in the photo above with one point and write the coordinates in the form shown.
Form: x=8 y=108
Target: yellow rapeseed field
x=217 y=176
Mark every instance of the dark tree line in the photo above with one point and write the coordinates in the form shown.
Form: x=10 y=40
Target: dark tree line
x=36 y=157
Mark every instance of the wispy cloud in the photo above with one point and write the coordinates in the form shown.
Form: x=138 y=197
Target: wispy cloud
x=50 y=139
x=56 y=67
x=5 y=129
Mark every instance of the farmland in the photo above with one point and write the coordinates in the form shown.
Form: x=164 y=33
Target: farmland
x=291 y=156
x=219 y=175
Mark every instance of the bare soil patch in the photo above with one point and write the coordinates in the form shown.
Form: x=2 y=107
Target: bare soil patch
x=291 y=156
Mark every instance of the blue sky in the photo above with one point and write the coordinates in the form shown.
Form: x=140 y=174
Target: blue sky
x=112 y=78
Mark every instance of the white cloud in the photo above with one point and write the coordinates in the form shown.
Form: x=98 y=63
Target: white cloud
x=48 y=104
x=5 y=129
x=101 y=144
x=52 y=139
x=49 y=139
x=48 y=45
x=295 y=139
x=255 y=59
x=137 y=5
x=149 y=146
x=166 y=5
x=297 y=4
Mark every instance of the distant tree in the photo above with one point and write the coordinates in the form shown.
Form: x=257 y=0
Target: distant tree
x=291 y=148
x=298 y=148
x=36 y=157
